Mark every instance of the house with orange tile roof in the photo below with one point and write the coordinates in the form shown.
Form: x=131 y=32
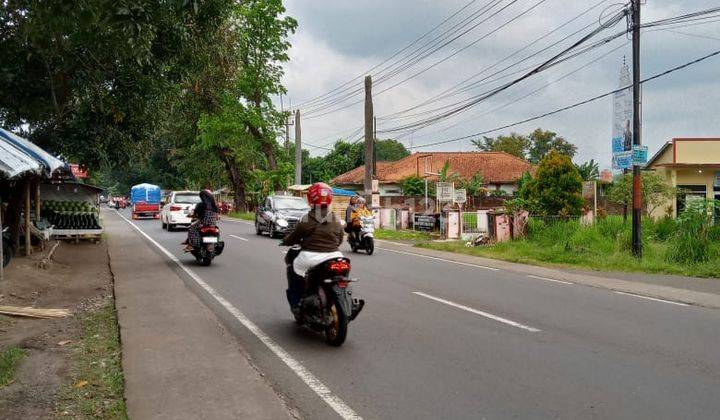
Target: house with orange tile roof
x=500 y=170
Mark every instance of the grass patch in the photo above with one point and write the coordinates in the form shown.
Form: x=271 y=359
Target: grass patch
x=9 y=360
x=402 y=235
x=96 y=387
x=604 y=246
x=242 y=215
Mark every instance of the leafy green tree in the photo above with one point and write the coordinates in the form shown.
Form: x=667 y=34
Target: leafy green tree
x=514 y=144
x=94 y=82
x=655 y=191
x=474 y=186
x=390 y=150
x=589 y=171
x=556 y=189
x=542 y=142
x=413 y=185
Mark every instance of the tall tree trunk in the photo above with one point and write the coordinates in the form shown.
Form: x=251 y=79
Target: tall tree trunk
x=237 y=180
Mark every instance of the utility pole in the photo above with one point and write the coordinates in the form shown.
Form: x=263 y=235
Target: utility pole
x=369 y=140
x=298 y=149
x=637 y=140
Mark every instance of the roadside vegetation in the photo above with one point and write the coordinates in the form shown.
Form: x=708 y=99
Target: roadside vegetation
x=401 y=235
x=669 y=247
x=242 y=215
x=97 y=385
x=9 y=360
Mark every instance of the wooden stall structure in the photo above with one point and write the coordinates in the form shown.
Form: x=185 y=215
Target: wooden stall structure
x=23 y=166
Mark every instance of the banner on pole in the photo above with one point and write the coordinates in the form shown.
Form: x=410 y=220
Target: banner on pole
x=622 y=132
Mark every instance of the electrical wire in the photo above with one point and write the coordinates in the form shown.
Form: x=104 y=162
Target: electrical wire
x=575 y=105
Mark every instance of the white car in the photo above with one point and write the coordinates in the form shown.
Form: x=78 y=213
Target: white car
x=178 y=209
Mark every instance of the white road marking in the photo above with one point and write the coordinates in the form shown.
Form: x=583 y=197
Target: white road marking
x=337 y=404
x=238 y=237
x=549 y=279
x=651 y=298
x=439 y=259
x=477 y=312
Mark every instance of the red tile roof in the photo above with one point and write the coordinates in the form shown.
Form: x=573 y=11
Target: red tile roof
x=495 y=167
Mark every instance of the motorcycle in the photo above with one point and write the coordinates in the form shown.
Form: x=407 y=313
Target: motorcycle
x=326 y=304
x=210 y=245
x=366 y=237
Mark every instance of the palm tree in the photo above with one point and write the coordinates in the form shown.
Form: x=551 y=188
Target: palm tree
x=589 y=171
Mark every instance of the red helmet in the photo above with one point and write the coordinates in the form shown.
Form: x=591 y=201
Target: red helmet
x=320 y=194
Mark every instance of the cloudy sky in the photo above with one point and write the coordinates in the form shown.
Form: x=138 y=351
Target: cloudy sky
x=339 y=40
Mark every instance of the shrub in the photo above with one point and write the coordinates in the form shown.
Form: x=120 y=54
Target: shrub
x=691 y=243
x=714 y=233
x=663 y=229
x=556 y=188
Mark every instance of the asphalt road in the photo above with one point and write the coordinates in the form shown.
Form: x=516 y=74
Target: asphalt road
x=439 y=339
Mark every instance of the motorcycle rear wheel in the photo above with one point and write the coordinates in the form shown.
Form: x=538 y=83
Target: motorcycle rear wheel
x=336 y=333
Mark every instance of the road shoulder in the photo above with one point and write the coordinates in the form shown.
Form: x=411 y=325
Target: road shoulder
x=672 y=289
x=179 y=361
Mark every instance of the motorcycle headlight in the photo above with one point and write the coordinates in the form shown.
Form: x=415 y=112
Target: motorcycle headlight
x=282 y=222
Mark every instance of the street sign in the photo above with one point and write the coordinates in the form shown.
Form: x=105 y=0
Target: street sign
x=375 y=185
x=640 y=155
x=460 y=196
x=445 y=192
x=622 y=160
x=375 y=203
x=424 y=222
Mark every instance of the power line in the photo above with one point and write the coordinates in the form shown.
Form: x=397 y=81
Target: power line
x=575 y=105
x=395 y=68
x=457 y=88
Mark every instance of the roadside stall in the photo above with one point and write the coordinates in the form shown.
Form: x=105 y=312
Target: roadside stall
x=23 y=166
x=72 y=208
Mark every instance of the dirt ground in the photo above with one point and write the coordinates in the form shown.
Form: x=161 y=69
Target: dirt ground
x=78 y=279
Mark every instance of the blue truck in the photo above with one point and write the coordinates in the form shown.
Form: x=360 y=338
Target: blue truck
x=145 y=201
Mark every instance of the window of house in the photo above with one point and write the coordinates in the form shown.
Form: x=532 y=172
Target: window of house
x=689 y=192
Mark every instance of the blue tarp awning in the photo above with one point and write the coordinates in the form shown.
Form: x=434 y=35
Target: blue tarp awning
x=18 y=156
x=343 y=193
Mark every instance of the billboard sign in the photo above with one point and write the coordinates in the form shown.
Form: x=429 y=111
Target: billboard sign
x=622 y=134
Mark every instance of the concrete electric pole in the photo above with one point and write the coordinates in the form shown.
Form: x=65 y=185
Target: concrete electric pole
x=369 y=139
x=637 y=139
x=298 y=149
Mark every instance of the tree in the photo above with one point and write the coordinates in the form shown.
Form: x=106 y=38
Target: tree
x=474 y=186
x=514 y=144
x=556 y=189
x=655 y=191
x=589 y=171
x=542 y=142
x=389 y=150
x=95 y=82
x=413 y=185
